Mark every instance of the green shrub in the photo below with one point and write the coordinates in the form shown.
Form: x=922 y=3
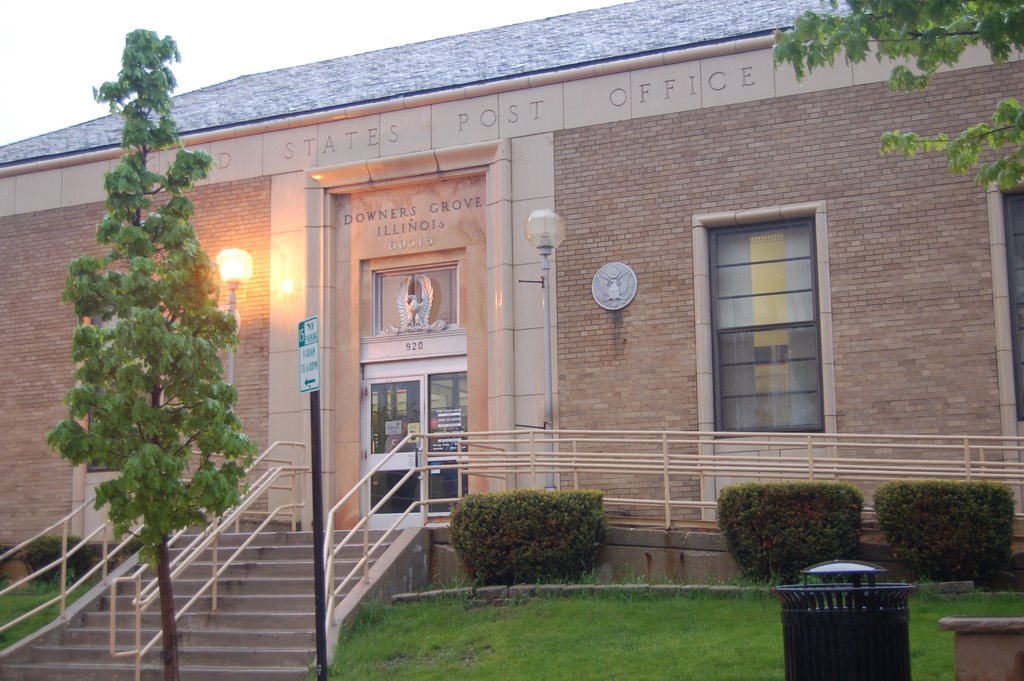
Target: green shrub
x=46 y=549
x=528 y=536
x=945 y=529
x=774 y=530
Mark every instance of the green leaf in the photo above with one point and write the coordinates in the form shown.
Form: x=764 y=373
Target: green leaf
x=921 y=36
x=150 y=378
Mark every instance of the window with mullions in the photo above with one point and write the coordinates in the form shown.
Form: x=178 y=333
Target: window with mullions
x=765 y=328
x=1015 y=255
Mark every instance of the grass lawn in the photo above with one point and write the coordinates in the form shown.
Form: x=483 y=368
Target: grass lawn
x=15 y=604
x=613 y=636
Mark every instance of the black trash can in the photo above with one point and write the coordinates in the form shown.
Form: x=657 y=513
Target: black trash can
x=845 y=630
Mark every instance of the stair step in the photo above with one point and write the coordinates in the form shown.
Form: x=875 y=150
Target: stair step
x=125 y=671
x=232 y=602
x=219 y=637
x=293 y=584
x=262 y=657
x=297 y=552
x=234 y=586
x=279 y=539
x=190 y=621
x=262 y=568
x=263 y=629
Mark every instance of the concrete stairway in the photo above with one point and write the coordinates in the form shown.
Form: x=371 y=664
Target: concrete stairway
x=264 y=629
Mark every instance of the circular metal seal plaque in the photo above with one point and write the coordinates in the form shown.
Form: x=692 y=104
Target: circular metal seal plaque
x=614 y=286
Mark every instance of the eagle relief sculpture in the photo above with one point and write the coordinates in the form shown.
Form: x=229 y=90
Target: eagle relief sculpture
x=614 y=286
x=414 y=299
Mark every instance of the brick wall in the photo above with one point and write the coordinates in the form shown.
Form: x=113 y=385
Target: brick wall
x=36 y=329
x=35 y=361
x=237 y=215
x=911 y=285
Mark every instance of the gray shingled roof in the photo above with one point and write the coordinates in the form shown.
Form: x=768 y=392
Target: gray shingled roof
x=599 y=35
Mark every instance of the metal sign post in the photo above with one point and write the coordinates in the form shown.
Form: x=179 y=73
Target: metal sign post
x=309 y=382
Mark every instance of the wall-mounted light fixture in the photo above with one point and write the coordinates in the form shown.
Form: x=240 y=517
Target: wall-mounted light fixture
x=235 y=267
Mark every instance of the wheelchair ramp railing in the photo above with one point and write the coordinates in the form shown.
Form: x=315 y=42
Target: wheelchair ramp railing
x=665 y=479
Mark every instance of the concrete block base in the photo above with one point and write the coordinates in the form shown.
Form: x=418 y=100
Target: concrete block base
x=987 y=648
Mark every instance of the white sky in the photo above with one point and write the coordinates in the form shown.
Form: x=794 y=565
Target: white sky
x=53 y=53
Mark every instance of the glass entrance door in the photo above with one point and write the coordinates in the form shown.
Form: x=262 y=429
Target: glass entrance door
x=394 y=414
x=434 y=399
x=449 y=413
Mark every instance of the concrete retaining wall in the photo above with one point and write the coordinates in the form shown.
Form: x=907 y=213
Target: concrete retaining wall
x=684 y=556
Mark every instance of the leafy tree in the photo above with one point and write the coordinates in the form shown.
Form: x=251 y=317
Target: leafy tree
x=921 y=36
x=151 y=402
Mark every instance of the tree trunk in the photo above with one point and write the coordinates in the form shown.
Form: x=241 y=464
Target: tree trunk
x=168 y=625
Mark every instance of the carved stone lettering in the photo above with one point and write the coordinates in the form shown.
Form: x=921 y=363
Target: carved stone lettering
x=414 y=218
x=667 y=86
x=307 y=146
x=618 y=97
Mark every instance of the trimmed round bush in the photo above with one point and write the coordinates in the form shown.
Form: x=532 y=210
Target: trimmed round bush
x=528 y=536
x=775 y=530
x=946 y=529
x=46 y=549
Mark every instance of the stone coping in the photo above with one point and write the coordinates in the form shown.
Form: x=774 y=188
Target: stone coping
x=501 y=593
x=990 y=626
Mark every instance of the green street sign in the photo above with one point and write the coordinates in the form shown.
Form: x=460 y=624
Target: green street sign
x=309 y=355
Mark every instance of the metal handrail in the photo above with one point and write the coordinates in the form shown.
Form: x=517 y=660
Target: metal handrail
x=666 y=457
x=48 y=530
x=65 y=589
x=267 y=480
x=659 y=458
x=146 y=595
x=330 y=554
x=102 y=566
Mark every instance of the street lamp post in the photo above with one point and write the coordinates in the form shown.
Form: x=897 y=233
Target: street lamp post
x=545 y=231
x=235 y=267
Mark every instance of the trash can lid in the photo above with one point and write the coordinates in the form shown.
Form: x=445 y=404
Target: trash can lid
x=856 y=569
x=843 y=567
